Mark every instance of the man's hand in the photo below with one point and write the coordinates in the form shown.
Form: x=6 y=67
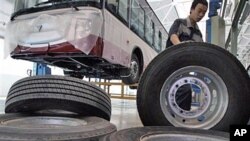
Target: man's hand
x=175 y=39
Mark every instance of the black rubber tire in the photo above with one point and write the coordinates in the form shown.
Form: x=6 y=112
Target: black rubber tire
x=166 y=134
x=24 y=127
x=206 y=55
x=38 y=93
x=132 y=79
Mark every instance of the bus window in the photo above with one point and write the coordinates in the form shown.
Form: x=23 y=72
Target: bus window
x=23 y=7
x=123 y=9
x=112 y=6
x=156 y=40
x=21 y=4
x=141 y=22
x=134 y=16
x=160 y=41
x=149 y=30
x=153 y=32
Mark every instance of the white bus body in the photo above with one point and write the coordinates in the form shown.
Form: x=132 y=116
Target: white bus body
x=84 y=40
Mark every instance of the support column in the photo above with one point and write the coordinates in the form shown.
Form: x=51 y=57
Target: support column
x=215 y=33
x=234 y=39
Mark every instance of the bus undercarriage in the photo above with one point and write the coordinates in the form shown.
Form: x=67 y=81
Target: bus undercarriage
x=75 y=63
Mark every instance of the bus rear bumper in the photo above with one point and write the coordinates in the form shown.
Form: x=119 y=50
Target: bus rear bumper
x=90 y=45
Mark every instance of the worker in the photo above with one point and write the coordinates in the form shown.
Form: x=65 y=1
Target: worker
x=184 y=30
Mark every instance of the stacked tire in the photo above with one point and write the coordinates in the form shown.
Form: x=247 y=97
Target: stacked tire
x=55 y=108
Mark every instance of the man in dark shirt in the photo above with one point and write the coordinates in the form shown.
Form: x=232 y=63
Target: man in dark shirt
x=187 y=30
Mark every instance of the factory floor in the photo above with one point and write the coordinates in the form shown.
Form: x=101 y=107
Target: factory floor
x=125 y=114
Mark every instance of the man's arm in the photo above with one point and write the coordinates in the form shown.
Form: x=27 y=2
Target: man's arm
x=175 y=39
x=174 y=32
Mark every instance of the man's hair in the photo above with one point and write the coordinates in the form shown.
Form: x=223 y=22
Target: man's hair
x=196 y=2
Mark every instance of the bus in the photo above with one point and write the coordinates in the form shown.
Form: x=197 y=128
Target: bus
x=108 y=39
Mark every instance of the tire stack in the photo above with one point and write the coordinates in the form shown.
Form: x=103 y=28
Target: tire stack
x=55 y=108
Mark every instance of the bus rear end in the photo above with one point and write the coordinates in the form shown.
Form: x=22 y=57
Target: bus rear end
x=57 y=32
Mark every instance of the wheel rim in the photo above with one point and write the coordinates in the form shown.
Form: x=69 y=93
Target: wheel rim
x=45 y=122
x=180 y=137
x=134 y=70
x=209 y=98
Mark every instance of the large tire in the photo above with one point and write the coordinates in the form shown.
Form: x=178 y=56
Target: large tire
x=134 y=72
x=166 y=134
x=38 y=93
x=23 y=127
x=222 y=81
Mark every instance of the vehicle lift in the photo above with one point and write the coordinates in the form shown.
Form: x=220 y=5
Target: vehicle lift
x=41 y=69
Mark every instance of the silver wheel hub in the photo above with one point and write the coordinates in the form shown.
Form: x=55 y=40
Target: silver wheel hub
x=203 y=89
x=134 y=69
x=201 y=97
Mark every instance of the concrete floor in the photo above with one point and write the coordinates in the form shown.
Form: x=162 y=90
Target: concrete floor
x=125 y=114
x=2 y=104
